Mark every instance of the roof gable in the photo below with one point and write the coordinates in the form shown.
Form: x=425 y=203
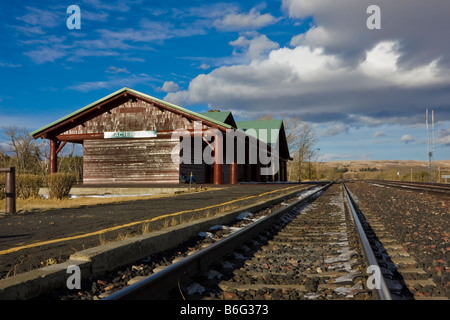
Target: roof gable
x=125 y=92
x=262 y=124
x=276 y=124
x=221 y=116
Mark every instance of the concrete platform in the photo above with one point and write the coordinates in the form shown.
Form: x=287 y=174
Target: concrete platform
x=130 y=190
x=98 y=260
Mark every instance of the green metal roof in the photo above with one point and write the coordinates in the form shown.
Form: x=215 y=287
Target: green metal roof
x=261 y=124
x=201 y=116
x=218 y=116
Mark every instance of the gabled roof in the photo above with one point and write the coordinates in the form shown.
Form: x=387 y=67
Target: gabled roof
x=132 y=92
x=261 y=124
x=268 y=125
x=221 y=116
x=221 y=120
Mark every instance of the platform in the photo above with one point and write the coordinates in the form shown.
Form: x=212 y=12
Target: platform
x=131 y=190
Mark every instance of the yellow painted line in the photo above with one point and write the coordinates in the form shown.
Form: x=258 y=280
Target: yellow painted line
x=43 y=243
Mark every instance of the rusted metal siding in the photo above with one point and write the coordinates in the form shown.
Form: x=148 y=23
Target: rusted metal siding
x=130 y=161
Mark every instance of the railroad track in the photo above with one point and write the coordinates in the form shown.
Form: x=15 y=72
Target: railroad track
x=314 y=248
x=433 y=188
x=415 y=270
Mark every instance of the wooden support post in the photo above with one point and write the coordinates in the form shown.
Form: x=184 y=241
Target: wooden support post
x=53 y=163
x=233 y=173
x=10 y=189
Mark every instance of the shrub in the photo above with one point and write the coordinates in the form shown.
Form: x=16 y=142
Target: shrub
x=59 y=184
x=27 y=185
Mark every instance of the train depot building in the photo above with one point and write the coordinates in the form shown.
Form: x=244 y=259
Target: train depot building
x=132 y=138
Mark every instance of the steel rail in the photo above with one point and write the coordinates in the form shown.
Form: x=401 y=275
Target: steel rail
x=425 y=187
x=157 y=285
x=382 y=290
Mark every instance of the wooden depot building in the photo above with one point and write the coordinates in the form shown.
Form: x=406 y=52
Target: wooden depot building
x=128 y=137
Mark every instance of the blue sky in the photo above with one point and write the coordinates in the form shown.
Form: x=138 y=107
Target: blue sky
x=364 y=91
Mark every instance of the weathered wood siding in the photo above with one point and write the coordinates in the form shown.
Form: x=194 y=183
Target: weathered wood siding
x=130 y=161
x=133 y=115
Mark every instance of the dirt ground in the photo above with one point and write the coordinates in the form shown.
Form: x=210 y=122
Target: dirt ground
x=24 y=237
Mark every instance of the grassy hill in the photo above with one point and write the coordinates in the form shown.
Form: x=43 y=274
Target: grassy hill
x=385 y=169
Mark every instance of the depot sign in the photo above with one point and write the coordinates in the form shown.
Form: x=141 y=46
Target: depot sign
x=130 y=135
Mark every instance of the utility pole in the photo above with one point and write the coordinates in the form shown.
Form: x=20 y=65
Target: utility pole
x=430 y=146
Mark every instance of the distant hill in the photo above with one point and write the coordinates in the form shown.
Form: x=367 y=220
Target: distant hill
x=384 y=169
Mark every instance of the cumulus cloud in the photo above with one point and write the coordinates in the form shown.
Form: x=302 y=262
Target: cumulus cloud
x=170 y=86
x=241 y=21
x=254 y=48
x=314 y=85
x=341 y=27
x=204 y=66
x=339 y=70
x=406 y=139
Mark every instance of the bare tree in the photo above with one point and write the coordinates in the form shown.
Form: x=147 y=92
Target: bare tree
x=301 y=141
x=25 y=152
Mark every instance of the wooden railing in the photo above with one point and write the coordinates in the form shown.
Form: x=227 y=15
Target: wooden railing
x=10 y=189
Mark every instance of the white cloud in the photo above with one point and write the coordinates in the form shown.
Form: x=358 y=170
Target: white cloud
x=204 y=66
x=41 y=18
x=115 y=70
x=118 y=5
x=99 y=42
x=254 y=48
x=382 y=63
x=240 y=21
x=9 y=65
x=341 y=27
x=312 y=84
x=333 y=129
x=379 y=134
x=46 y=54
x=113 y=83
x=170 y=86
x=407 y=139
